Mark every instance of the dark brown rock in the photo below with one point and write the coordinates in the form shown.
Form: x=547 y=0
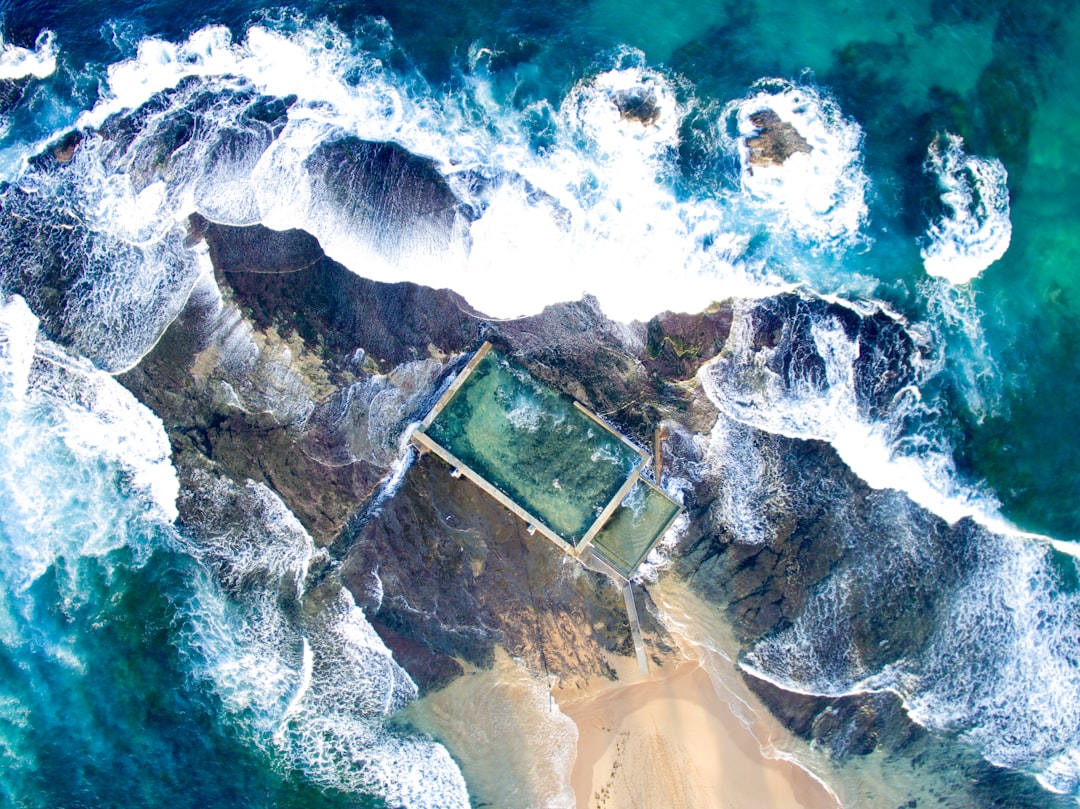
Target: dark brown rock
x=850 y=725
x=285 y=281
x=429 y=670
x=678 y=344
x=458 y=574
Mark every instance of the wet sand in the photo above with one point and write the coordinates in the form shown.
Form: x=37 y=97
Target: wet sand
x=669 y=740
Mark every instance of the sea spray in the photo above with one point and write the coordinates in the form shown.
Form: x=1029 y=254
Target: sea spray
x=61 y=412
x=20 y=63
x=820 y=193
x=833 y=374
x=974 y=229
x=601 y=209
x=300 y=669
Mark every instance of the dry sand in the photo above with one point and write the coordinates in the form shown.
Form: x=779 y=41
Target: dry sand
x=668 y=740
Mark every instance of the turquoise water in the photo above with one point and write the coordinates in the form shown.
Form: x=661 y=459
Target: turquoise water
x=941 y=186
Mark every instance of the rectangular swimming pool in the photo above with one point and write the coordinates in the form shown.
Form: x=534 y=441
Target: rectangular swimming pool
x=549 y=460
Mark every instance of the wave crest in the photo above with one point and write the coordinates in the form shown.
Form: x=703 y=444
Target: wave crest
x=21 y=63
x=820 y=193
x=975 y=230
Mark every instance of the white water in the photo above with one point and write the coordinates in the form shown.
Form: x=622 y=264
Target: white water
x=1003 y=670
x=86 y=467
x=741 y=386
x=820 y=195
x=600 y=217
x=977 y=230
x=569 y=222
x=21 y=63
x=999 y=668
x=315 y=688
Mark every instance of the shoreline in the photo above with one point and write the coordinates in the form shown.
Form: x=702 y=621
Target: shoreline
x=668 y=739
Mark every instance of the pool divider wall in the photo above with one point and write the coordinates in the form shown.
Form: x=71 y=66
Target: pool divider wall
x=611 y=559
x=613 y=504
x=459 y=380
x=584 y=550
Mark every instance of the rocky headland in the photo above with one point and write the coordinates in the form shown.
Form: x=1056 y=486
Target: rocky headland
x=275 y=364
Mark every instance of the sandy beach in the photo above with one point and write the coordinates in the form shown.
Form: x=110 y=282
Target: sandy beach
x=668 y=740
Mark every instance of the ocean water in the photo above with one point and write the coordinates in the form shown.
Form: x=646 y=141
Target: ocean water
x=939 y=193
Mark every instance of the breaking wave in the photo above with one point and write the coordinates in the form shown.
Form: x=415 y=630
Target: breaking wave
x=301 y=670
x=820 y=193
x=975 y=229
x=21 y=63
x=254 y=127
x=805 y=368
x=85 y=464
x=992 y=660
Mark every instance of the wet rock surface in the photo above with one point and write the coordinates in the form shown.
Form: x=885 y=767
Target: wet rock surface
x=287 y=370
x=253 y=386
x=273 y=371
x=637 y=105
x=776 y=140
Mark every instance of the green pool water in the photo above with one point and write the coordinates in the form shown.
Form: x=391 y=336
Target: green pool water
x=535 y=446
x=642 y=518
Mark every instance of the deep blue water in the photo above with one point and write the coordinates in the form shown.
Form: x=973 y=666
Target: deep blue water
x=942 y=185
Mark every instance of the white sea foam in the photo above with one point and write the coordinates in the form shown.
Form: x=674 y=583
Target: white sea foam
x=630 y=113
x=572 y=220
x=337 y=732
x=998 y=668
x=104 y=420
x=955 y=323
x=976 y=230
x=741 y=385
x=821 y=195
x=314 y=685
x=20 y=63
x=86 y=467
x=128 y=271
x=754 y=494
x=1001 y=668
x=525 y=415
x=18 y=329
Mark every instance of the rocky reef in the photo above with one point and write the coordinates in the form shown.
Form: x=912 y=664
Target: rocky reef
x=313 y=401
x=776 y=140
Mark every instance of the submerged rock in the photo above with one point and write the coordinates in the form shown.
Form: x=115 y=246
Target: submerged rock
x=638 y=104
